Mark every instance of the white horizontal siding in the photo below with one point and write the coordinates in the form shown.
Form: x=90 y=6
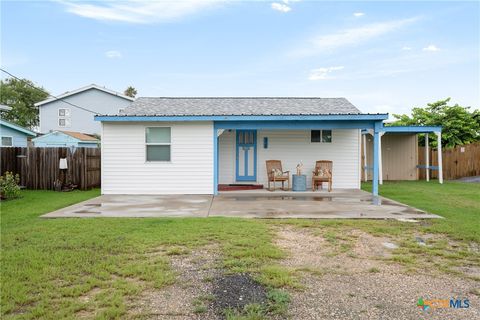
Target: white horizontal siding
x=291 y=147
x=125 y=170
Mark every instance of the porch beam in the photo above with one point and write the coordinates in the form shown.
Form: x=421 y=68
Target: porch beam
x=440 y=161
x=365 y=169
x=427 y=158
x=412 y=129
x=376 y=147
x=294 y=125
x=380 y=160
x=215 y=161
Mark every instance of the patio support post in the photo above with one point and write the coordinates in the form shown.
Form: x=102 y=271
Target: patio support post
x=440 y=162
x=376 y=146
x=365 y=163
x=380 y=167
x=215 y=160
x=427 y=159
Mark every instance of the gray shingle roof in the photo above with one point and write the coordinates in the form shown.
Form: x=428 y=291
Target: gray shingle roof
x=238 y=106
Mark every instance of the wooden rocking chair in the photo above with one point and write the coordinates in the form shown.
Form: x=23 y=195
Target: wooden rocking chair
x=275 y=173
x=322 y=173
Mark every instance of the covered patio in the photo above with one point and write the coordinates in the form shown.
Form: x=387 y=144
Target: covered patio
x=284 y=138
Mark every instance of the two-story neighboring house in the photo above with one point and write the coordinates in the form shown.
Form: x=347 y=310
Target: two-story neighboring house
x=58 y=115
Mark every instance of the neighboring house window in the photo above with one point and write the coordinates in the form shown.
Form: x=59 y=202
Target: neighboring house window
x=158 y=143
x=7 y=141
x=64 y=122
x=64 y=117
x=64 y=112
x=324 y=136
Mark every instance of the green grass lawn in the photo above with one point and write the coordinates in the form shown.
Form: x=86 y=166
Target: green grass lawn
x=47 y=265
x=458 y=202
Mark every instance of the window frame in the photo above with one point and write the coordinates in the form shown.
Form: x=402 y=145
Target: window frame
x=64 y=124
x=158 y=144
x=11 y=141
x=65 y=113
x=321 y=136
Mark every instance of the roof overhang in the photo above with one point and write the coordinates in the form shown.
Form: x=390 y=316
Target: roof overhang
x=335 y=117
x=17 y=128
x=407 y=129
x=412 y=129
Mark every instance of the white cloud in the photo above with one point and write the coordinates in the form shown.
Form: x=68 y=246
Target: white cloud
x=431 y=47
x=406 y=48
x=280 y=7
x=323 y=73
x=113 y=54
x=359 y=14
x=350 y=37
x=138 y=11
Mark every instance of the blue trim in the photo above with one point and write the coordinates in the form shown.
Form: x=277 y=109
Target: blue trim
x=18 y=128
x=412 y=129
x=341 y=117
x=292 y=125
x=246 y=177
x=376 y=147
x=215 y=162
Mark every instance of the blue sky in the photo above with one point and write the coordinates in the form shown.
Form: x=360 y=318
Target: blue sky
x=382 y=56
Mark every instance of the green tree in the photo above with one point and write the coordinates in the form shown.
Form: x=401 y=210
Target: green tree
x=130 y=92
x=459 y=124
x=21 y=96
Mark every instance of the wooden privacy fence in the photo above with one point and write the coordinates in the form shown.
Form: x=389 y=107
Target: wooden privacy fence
x=458 y=162
x=39 y=167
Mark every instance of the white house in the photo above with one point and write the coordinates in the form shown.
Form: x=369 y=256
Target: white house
x=191 y=145
x=74 y=110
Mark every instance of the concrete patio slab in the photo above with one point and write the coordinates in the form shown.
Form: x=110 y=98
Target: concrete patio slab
x=339 y=204
x=137 y=206
x=343 y=204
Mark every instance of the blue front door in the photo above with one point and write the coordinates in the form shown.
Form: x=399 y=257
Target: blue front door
x=246 y=155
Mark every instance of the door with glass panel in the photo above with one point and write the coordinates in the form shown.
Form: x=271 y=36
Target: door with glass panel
x=246 y=155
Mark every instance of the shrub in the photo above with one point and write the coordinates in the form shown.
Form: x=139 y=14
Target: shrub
x=9 y=187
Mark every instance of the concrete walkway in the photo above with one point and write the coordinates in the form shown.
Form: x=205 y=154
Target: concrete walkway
x=246 y=204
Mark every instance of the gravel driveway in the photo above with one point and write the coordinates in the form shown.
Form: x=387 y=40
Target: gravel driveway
x=360 y=285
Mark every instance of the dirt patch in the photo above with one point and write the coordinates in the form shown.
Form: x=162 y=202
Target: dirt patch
x=89 y=295
x=187 y=297
x=357 y=284
x=236 y=291
x=307 y=251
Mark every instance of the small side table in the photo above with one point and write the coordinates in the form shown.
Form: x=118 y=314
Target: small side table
x=299 y=182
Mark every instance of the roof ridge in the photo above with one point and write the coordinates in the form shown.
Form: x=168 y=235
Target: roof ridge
x=237 y=97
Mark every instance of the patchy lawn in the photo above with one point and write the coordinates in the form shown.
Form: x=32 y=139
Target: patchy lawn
x=109 y=268
x=56 y=268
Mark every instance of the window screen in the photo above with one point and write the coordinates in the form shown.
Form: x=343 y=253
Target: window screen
x=158 y=143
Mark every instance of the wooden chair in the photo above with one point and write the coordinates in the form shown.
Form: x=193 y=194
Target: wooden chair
x=322 y=173
x=275 y=173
